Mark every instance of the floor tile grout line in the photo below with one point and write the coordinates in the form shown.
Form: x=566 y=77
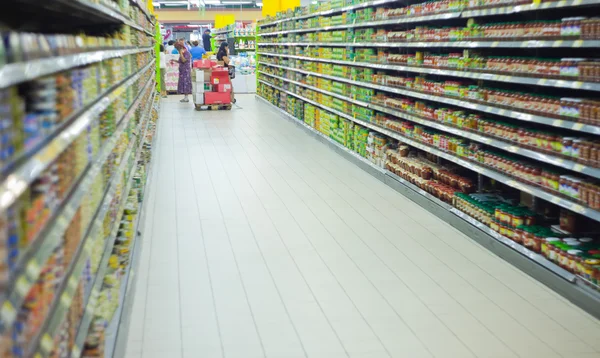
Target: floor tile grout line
x=236 y=262
x=467 y=281
x=335 y=276
x=357 y=266
x=462 y=254
x=303 y=276
x=177 y=242
x=210 y=279
x=269 y=270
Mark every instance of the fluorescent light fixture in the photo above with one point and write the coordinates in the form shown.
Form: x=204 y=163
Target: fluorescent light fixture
x=212 y=2
x=236 y=2
x=259 y=4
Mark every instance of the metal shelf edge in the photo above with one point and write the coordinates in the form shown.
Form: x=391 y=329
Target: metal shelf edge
x=590 y=213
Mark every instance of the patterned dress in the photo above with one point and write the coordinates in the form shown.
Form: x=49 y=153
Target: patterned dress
x=184 y=86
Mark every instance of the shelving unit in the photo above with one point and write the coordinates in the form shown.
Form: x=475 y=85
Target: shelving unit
x=100 y=103
x=349 y=82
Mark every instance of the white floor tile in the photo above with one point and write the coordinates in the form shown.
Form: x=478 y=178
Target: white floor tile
x=261 y=242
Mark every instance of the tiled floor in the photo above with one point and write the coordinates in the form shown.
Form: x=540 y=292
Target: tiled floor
x=262 y=242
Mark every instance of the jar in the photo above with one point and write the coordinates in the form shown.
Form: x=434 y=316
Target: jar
x=546 y=243
x=574 y=260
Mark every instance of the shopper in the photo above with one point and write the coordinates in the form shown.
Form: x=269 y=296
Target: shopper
x=206 y=40
x=171 y=47
x=163 y=69
x=184 y=85
x=223 y=56
x=197 y=51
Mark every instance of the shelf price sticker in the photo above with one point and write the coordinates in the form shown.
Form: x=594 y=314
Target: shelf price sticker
x=47 y=343
x=22 y=286
x=8 y=313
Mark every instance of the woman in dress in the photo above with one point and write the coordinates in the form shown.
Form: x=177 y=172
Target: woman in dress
x=184 y=86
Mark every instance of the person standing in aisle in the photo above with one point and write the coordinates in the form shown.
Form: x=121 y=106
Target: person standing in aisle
x=163 y=69
x=197 y=51
x=206 y=41
x=184 y=85
x=171 y=46
x=223 y=56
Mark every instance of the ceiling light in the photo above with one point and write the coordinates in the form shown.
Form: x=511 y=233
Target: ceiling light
x=259 y=4
x=212 y=2
x=236 y=2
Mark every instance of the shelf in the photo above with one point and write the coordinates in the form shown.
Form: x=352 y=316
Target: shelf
x=515 y=114
x=18 y=180
x=533 y=264
x=127 y=308
x=455 y=44
x=141 y=6
x=505 y=10
x=533 y=81
x=41 y=249
x=334 y=11
x=405 y=20
x=476 y=167
x=495 y=142
x=464 y=13
x=64 y=303
x=20 y=72
x=95 y=287
x=539 y=259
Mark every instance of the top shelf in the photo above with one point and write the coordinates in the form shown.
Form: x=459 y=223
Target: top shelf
x=334 y=11
x=504 y=10
x=141 y=6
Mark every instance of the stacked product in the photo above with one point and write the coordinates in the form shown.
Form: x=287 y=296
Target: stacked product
x=211 y=85
x=515 y=135
x=71 y=106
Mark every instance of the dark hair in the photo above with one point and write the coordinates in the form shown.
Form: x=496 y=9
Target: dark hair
x=178 y=46
x=195 y=43
x=222 y=50
x=207 y=30
x=162 y=48
x=171 y=42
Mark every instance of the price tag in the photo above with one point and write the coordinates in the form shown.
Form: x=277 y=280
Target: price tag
x=8 y=313
x=66 y=300
x=22 y=286
x=76 y=352
x=33 y=269
x=47 y=343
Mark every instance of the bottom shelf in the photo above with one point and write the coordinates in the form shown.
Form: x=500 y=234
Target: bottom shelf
x=537 y=266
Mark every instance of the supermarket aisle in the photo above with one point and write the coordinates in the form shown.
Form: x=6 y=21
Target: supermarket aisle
x=262 y=242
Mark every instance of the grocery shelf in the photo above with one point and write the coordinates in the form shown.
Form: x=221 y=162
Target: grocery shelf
x=123 y=332
x=498 y=143
x=493 y=174
x=506 y=10
x=221 y=32
x=64 y=303
x=17 y=181
x=455 y=44
x=33 y=259
x=403 y=20
x=15 y=73
x=533 y=264
x=333 y=11
x=463 y=13
x=478 y=75
x=522 y=116
x=495 y=142
x=141 y=6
